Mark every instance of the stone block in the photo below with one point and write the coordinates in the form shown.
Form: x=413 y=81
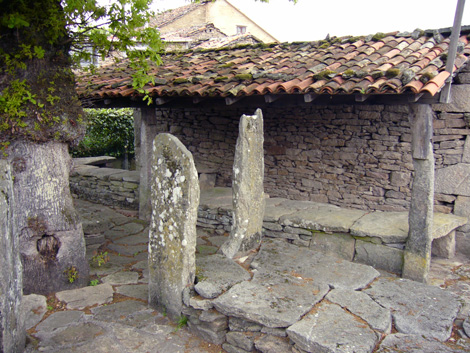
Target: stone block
x=462 y=208
x=444 y=246
x=453 y=180
x=341 y=245
x=243 y=340
x=379 y=256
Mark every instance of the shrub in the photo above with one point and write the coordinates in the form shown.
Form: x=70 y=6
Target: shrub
x=109 y=132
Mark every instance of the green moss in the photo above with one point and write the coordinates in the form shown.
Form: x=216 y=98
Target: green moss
x=427 y=76
x=348 y=74
x=377 y=74
x=244 y=77
x=391 y=73
x=354 y=39
x=443 y=56
x=220 y=79
x=378 y=36
x=227 y=65
x=180 y=80
x=324 y=45
x=325 y=74
x=361 y=73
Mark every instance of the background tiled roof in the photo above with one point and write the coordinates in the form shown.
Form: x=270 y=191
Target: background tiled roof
x=169 y=16
x=394 y=63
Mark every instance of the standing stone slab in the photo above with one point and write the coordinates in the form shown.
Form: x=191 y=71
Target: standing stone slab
x=417 y=257
x=12 y=330
x=417 y=308
x=172 y=235
x=247 y=185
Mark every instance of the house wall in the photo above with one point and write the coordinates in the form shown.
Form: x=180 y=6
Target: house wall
x=223 y=15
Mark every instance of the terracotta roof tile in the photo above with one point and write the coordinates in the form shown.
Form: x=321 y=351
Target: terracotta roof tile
x=393 y=65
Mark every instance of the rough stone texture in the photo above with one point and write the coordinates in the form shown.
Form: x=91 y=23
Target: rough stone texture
x=139 y=291
x=172 y=235
x=274 y=302
x=390 y=227
x=281 y=258
x=459 y=102
x=122 y=277
x=247 y=187
x=216 y=274
x=12 y=325
x=87 y=296
x=243 y=340
x=417 y=308
x=59 y=320
x=466 y=326
x=34 y=308
x=331 y=329
x=118 y=312
x=333 y=219
x=453 y=180
x=341 y=245
x=445 y=246
x=399 y=342
x=272 y=344
x=417 y=257
x=462 y=208
x=379 y=256
x=360 y=304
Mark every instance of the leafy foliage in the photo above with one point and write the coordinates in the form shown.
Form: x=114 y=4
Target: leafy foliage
x=109 y=132
x=41 y=41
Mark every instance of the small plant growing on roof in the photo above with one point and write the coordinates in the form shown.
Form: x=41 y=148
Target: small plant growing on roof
x=393 y=72
x=349 y=73
x=429 y=75
x=71 y=273
x=378 y=36
x=325 y=74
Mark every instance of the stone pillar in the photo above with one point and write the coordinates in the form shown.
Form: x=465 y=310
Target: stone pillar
x=137 y=136
x=12 y=331
x=172 y=235
x=148 y=131
x=418 y=247
x=247 y=187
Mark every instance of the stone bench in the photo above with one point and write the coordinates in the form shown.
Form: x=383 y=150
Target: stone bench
x=374 y=238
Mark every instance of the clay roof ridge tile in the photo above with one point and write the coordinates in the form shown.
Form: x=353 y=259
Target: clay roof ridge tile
x=434 y=85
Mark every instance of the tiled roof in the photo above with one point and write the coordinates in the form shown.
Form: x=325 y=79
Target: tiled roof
x=394 y=63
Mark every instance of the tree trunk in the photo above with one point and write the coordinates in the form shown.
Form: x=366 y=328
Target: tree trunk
x=52 y=245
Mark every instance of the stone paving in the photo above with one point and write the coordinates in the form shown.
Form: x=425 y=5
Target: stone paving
x=358 y=309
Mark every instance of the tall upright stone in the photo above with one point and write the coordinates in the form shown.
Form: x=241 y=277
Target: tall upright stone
x=12 y=330
x=172 y=235
x=247 y=186
x=417 y=255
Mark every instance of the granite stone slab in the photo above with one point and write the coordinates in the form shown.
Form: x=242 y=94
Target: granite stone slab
x=216 y=274
x=331 y=329
x=87 y=296
x=400 y=343
x=417 y=308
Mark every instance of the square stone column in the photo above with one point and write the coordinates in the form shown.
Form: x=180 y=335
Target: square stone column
x=418 y=247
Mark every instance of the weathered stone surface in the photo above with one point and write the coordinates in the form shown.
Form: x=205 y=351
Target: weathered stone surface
x=59 y=320
x=453 y=180
x=272 y=344
x=379 y=256
x=331 y=329
x=279 y=257
x=34 y=308
x=360 y=304
x=139 y=291
x=326 y=218
x=122 y=277
x=237 y=324
x=399 y=342
x=462 y=209
x=444 y=246
x=275 y=302
x=87 y=296
x=243 y=340
x=233 y=349
x=417 y=308
x=443 y=224
x=466 y=326
x=172 y=244
x=341 y=245
x=117 y=312
x=390 y=227
x=12 y=320
x=247 y=186
x=459 y=102
x=216 y=274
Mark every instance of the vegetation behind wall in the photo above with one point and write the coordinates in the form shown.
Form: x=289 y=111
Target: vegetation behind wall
x=109 y=132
